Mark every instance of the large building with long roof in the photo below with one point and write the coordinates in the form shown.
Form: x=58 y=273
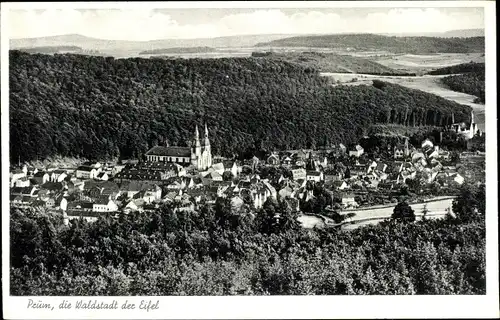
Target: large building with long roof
x=198 y=155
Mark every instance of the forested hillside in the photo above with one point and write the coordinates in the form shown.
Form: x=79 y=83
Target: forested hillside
x=413 y=45
x=216 y=252
x=331 y=62
x=467 y=78
x=475 y=67
x=96 y=107
x=471 y=83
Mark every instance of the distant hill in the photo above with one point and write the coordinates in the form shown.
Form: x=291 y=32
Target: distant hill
x=179 y=50
x=331 y=62
x=52 y=49
x=60 y=49
x=119 y=48
x=371 y=42
x=464 y=33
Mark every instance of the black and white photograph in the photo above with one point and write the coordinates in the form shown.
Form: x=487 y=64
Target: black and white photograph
x=274 y=149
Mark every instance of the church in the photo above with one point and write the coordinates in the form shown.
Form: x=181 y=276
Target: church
x=199 y=155
x=463 y=130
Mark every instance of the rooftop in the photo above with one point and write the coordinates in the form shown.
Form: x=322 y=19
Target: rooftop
x=170 y=151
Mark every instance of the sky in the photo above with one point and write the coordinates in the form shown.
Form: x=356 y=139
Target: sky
x=150 y=24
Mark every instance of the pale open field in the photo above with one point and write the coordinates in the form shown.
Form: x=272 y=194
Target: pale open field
x=427 y=83
x=425 y=63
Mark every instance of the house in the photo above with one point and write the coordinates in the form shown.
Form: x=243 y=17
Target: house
x=58 y=175
x=86 y=172
x=41 y=177
x=218 y=167
x=401 y=150
x=314 y=176
x=215 y=176
x=331 y=178
x=117 y=168
x=148 y=196
x=286 y=161
x=104 y=205
x=357 y=151
x=130 y=188
x=17 y=174
x=22 y=182
x=31 y=191
x=458 y=179
x=340 y=185
x=273 y=160
x=348 y=201
x=130 y=206
x=232 y=167
x=299 y=173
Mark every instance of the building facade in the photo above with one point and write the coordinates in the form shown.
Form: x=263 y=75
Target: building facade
x=199 y=155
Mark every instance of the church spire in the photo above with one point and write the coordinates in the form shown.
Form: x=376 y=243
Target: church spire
x=207 y=141
x=196 y=137
x=472 y=117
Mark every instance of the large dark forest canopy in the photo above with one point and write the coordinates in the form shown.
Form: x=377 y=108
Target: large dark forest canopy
x=101 y=107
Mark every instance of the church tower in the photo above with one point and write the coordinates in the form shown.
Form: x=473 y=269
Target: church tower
x=207 y=152
x=196 y=148
x=473 y=127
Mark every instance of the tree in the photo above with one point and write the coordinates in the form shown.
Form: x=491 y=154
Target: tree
x=403 y=212
x=469 y=203
x=454 y=157
x=425 y=211
x=227 y=176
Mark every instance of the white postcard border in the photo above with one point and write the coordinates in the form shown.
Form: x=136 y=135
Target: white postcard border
x=277 y=306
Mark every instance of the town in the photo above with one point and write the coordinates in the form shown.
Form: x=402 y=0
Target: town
x=331 y=179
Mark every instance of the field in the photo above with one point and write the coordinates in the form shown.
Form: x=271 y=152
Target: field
x=427 y=83
x=425 y=63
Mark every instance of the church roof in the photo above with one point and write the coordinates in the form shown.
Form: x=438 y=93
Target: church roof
x=170 y=151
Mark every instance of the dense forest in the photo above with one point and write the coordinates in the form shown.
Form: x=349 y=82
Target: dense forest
x=331 y=62
x=413 y=45
x=470 y=83
x=96 y=107
x=217 y=252
x=466 y=77
x=179 y=50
